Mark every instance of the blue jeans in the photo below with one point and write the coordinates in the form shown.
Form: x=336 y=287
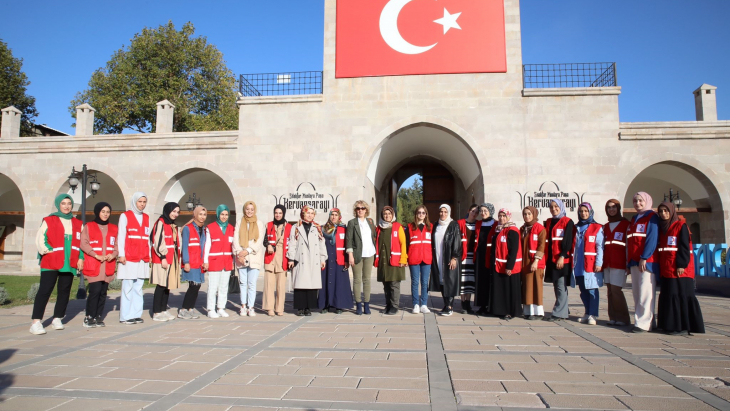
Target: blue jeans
x=420 y=274
x=589 y=296
x=247 y=278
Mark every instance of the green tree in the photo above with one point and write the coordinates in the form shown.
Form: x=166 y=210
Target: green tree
x=161 y=64
x=408 y=199
x=13 y=88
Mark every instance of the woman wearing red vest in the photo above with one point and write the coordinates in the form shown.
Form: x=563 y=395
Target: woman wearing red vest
x=276 y=243
x=166 y=269
x=391 y=258
x=679 y=310
x=614 y=264
x=506 y=261
x=481 y=255
x=468 y=268
x=447 y=251
x=642 y=236
x=219 y=257
x=533 y=264
x=559 y=246
x=134 y=258
x=335 y=294
x=588 y=262
x=194 y=238
x=99 y=243
x=418 y=236
x=58 y=241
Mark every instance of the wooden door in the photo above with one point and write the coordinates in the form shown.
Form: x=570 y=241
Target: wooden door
x=438 y=188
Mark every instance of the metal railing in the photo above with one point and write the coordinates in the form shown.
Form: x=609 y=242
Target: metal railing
x=281 y=84
x=569 y=75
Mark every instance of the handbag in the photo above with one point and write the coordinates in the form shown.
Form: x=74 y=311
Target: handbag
x=234 y=287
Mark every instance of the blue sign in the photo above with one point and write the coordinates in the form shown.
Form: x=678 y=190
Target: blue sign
x=708 y=261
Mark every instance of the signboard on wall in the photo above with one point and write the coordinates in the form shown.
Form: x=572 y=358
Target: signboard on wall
x=547 y=191
x=408 y=37
x=306 y=194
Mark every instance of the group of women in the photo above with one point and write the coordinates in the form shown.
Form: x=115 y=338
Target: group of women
x=502 y=266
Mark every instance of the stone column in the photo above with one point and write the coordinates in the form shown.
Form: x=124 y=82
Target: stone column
x=165 y=115
x=85 y=120
x=10 y=122
x=706 y=103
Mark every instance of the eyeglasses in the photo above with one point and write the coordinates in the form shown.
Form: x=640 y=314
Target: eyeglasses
x=421 y=213
x=360 y=208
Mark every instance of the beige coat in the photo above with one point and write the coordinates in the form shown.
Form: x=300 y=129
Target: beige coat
x=309 y=251
x=255 y=258
x=169 y=277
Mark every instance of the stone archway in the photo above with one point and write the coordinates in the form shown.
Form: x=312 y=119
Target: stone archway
x=702 y=205
x=110 y=192
x=12 y=220
x=207 y=186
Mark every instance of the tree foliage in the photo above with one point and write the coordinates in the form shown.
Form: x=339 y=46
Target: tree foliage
x=13 y=88
x=160 y=64
x=408 y=199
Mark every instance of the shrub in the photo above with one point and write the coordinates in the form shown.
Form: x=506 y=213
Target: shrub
x=4 y=296
x=33 y=291
x=116 y=284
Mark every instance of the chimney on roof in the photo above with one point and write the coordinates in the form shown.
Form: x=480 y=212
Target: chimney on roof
x=10 y=122
x=85 y=120
x=165 y=117
x=706 y=103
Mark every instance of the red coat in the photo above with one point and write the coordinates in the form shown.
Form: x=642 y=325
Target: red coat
x=535 y=231
x=271 y=236
x=137 y=242
x=92 y=265
x=169 y=243
x=636 y=236
x=555 y=237
x=55 y=235
x=395 y=251
x=502 y=251
x=419 y=248
x=590 y=247
x=614 y=247
x=668 y=247
x=220 y=256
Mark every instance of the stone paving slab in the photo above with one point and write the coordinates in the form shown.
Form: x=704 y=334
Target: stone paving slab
x=376 y=362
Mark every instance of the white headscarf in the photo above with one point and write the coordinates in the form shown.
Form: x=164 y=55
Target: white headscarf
x=448 y=220
x=135 y=197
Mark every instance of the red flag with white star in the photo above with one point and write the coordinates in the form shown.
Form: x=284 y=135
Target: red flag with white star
x=406 y=37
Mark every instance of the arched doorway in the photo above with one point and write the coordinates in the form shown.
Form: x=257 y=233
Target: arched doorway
x=12 y=220
x=701 y=203
x=109 y=192
x=209 y=189
x=450 y=170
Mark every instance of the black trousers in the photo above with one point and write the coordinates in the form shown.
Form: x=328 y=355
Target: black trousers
x=191 y=296
x=97 y=298
x=48 y=282
x=162 y=294
x=304 y=298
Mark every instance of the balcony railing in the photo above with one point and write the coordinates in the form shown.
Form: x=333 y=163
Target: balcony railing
x=281 y=84
x=569 y=75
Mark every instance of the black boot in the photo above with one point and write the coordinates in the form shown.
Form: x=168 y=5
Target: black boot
x=366 y=309
x=466 y=305
x=89 y=322
x=359 y=309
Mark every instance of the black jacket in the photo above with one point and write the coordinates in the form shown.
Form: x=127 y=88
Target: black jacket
x=451 y=249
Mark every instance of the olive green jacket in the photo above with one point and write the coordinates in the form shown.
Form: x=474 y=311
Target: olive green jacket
x=353 y=238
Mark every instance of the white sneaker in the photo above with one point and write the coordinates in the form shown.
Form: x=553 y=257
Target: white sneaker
x=591 y=320
x=37 y=328
x=57 y=324
x=213 y=314
x=168 y=315
x=425 y=310
x=243 y=311
x=582 y=319
x=222 y=312
x=251 y=312
x=160 y=317
x=416 y=309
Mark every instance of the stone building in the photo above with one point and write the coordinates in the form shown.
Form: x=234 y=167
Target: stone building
x=497 y=137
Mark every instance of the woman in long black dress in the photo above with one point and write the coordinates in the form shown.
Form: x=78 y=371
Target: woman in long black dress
x=506 y=261
x=446 y=263
x=481 y=255
x=335 y=294
x=679 y=310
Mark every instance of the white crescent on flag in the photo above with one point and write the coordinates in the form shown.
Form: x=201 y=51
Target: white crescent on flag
x=391 y=34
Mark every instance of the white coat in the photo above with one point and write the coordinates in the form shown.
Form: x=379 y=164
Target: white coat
x=309 y=252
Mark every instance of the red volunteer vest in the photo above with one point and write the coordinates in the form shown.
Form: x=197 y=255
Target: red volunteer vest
x=136 y=243
x=55 y=234
x=220 y=257
x=96 y=240
x=419 y=250
x=194 y=254
x=169 y=243
x=555 y=236
x=636 y=236
x=590 y=247
x=271 y=235
x=395 y=251
x=501 y=252
x=614 y=247
x=535 y=231
x=668 y=247
x=340 y=244
x=464 y=239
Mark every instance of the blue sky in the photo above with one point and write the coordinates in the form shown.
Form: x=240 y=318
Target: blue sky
x=664 y=49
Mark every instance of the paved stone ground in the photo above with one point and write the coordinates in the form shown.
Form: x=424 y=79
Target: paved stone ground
x=345 y=362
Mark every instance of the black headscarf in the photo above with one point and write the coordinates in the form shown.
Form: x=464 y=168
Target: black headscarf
x=97 y=210
x=169 y=207
x=283 y=213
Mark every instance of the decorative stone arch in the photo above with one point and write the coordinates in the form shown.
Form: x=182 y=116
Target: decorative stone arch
x=12 y=217
x=715 y=224
x=117 y=178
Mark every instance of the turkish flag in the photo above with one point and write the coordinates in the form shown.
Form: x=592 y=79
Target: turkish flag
x=404 y=37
